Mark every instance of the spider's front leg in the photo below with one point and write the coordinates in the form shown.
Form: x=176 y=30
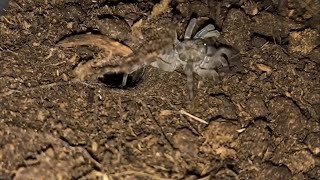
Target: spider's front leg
x=207 y=73
x=133 y=77
x=189 y=72
x=167 y=62
x=208 y=66
x=207 y=32
x=124 y=79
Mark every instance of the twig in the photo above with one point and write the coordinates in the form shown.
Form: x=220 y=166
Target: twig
x=193 y=117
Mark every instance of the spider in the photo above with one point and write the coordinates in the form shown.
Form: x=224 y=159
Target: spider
x=191 y=53
x=194 y=55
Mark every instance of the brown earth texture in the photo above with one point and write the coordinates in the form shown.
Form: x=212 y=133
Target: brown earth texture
x=259 y=121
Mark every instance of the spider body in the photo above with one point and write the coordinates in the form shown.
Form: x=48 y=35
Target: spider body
x=191 y=50
x=194 y=55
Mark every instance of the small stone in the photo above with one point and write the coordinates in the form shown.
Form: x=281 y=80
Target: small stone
x=258 y=41
x=70 y=25
x=64 y=77
x=313 y=142
x=94 y=146
x=303 y=41
x=35 y=44
x=300 y=161
x=115 y=28
x=256 y=107
x=165 y=113
x=275 y=172
x=186 y=142
x=41 y=115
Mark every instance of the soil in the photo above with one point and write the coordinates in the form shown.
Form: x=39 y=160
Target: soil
x=260 y=121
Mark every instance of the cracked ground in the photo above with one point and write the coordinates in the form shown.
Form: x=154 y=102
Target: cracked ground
x=260 y=121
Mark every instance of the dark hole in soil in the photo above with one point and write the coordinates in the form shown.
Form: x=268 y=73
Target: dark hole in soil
x=3 y=6
x=115 y=80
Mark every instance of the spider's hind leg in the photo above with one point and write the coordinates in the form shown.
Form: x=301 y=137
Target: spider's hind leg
x=207 y=32
x=190 y=86
x=124 y=79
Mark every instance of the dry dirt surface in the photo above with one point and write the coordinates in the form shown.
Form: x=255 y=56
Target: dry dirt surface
x=259 y=121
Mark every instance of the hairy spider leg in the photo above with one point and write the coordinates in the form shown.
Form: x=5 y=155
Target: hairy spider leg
x=207 y=32
x=124 y=79
x=189 y=65
x=223 y=51
x=190 y=28
x=189 y=73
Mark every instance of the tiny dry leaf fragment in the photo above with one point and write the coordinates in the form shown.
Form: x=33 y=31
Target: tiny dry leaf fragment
x=264 y=68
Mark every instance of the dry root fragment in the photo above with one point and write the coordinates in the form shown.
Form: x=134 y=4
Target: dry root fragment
x=100 y=41
x=109 y=47
x=83 y=70
x=193 y=117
